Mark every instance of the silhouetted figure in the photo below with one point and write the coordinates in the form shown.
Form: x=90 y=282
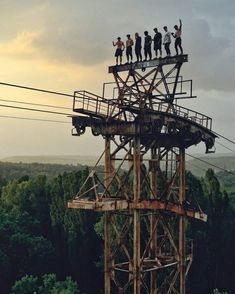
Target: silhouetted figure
x=138 y=47
x=147 y=45
x=177 y=36
x=129 y=44
x=157 y=42
x=167 y=41
x=120 y=47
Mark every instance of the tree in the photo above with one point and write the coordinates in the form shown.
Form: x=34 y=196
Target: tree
x=79 y=247
x=29 y=284
x=51 y=285
x=26 y=285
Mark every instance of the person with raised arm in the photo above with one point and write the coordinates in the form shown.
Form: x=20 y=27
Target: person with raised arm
x=177 y=36
x=120 y=48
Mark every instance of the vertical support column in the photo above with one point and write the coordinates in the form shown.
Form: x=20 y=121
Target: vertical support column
x=153 y=219
x=136 y=218
x=107 y=228
x=182 y=255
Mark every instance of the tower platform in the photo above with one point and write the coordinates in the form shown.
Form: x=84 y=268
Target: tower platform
x=149 y=63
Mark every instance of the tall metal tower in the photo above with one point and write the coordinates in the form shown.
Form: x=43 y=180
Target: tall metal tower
x=143 y=191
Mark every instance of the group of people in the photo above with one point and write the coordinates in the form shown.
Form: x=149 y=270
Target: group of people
x=157 y=44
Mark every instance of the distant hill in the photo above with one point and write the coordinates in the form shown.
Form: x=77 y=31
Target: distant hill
x=11 y=170
x=196 y=166
x=89 y=160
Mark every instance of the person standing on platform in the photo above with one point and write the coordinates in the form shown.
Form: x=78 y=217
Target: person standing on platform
x=147 y=46
x=177 y=36
x=157 y=42
x=120 y=47
x=129 y=44
x=138 y=47
x=167 y=41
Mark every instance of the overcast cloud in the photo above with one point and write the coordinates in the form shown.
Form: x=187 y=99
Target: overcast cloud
x=80 y=33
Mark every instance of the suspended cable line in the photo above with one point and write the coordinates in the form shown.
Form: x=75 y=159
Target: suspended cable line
x=34 y=119
x=211 y=164
x=225 y=147
x=35 y=104
x=36 y=89
x=196 y=166
x=224 y=137
x=34 y=109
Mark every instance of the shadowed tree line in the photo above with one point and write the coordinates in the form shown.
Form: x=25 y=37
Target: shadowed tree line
x=43 y=244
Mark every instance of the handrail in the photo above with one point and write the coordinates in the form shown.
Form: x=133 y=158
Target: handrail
x=87 y=102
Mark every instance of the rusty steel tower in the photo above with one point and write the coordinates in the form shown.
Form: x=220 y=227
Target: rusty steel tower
x=142 y=192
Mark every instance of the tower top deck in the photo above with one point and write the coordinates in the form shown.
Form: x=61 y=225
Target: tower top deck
x=150 y=63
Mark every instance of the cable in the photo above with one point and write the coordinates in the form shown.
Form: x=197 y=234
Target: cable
x=37 y=110
x=36 y=89
x=34 y=119
x=224 y=137
x=196 y=166
x=35 y=104
x=211 y=164
x=225 y=147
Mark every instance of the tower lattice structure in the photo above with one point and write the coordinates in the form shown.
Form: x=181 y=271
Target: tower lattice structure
x=142 y=193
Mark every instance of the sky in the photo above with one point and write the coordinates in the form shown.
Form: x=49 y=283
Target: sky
x=67 y=45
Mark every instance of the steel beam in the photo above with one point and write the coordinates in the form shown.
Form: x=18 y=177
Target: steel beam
x=107 y=228
x=150 y=63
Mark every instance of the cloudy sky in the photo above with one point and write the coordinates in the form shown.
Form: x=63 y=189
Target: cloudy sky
x=67 y=45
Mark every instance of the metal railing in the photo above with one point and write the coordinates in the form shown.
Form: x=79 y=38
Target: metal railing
x=184 y=112
x=88 y=103
x=91 y=104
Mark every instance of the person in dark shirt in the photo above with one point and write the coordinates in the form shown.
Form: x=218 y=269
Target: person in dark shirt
x=129 y=44
x=138 y=47
x=157 y=42
x=147 y=45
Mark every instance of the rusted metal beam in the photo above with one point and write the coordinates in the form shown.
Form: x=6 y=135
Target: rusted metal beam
x=112 y=205
x=182 y=257
x=147 y=64
x=153 y=219
x=136 y=218
x=107 y=228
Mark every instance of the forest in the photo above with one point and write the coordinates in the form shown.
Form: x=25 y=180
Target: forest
x=47 y=248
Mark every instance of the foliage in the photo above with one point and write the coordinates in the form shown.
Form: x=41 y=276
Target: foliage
x=26 y=285
x=10 y=171
x=216 y=291
x=29 y=285
x=213 y=240
x=39 y=235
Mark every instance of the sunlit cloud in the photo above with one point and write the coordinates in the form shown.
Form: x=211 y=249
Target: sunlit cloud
x=22 y=46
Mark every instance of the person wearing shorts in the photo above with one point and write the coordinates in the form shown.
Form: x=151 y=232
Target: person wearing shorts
x=120 y=47
x=157 y=42
x=129 y=44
